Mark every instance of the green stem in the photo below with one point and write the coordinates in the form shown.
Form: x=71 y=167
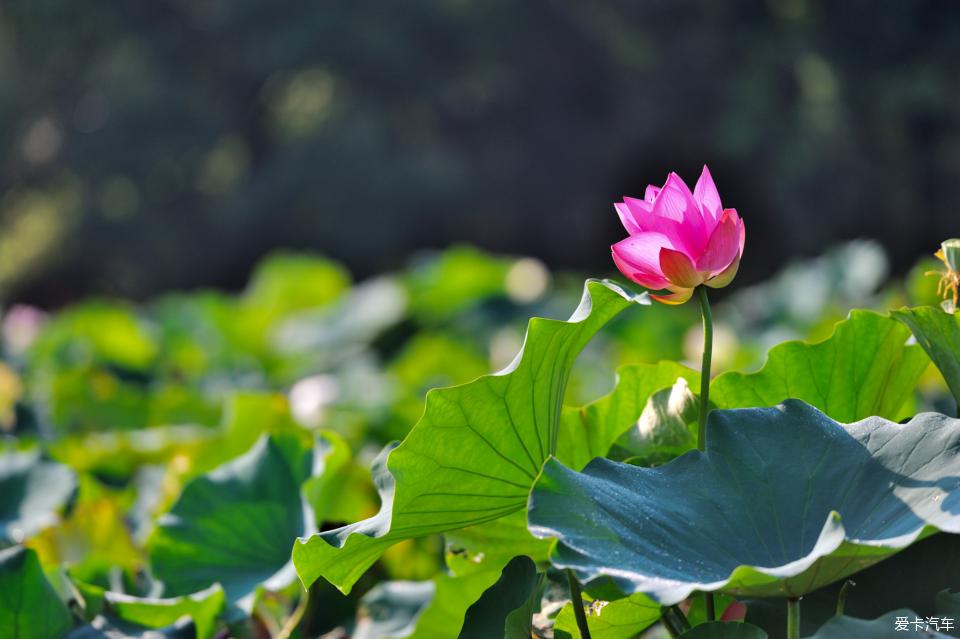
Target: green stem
x=842 y=596
x=578 y=612
x=793 y=618
x=680 y=617
x=705 y=402
x=705 y=367
x=293 y=621
x=666 y=617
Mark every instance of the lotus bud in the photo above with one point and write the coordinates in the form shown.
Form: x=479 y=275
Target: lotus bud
x=950 y=251
x=949 y=285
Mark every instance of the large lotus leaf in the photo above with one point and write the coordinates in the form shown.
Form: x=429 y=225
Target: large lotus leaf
x=865 y=368
x=884 y=627
x=620 y=619
x=586 y=432
x=938 y=333
x=786 y=500
x=235 y=524
x=29 y=606
x=476 y=451
x=507 y=607
x=32 y=491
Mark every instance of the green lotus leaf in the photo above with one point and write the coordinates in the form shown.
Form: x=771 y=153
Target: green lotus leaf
x=476 y=451
x=478 y=548
x=620 y=619
x=938 y=333
x=760 y=495
x=585 y=432
x=866 y=368
x=234 y=525
x=507 y=607
x=432 y=609
x=29 y=606
x=32 y=491
x=885 y=627
x=591 y=430
x=724 y=630
x=202 y=607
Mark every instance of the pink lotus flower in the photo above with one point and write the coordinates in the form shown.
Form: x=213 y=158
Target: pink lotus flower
x=678 y=239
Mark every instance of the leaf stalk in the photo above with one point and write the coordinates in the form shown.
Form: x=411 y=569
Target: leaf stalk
x=793 y=618
x=578 y=612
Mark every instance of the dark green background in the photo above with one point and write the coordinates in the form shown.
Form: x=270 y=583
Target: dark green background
x=169 y=144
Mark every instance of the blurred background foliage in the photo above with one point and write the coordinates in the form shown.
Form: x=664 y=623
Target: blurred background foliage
x=169 y=145
x=121 y=406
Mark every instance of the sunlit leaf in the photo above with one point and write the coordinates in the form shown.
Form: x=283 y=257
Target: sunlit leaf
x=493 y=543
x=620 y=619
x=590 y=431
x=865 y=368
x=432 y=609
x=475 y=452
x=939 y=335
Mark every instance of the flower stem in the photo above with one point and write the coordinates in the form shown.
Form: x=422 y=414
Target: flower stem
x=705 y=366
x=793 y=618
x=705 y=401
x=578 y=612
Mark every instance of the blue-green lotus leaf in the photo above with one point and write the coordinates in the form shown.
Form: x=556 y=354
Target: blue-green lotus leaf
x=234 y=525
x=785 y=501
